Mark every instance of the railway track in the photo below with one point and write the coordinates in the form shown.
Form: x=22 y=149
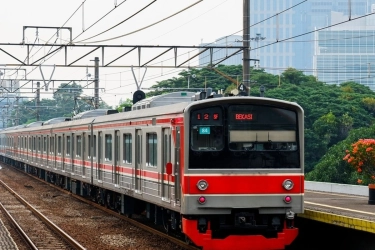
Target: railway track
x=136 y=221
x=37 y=230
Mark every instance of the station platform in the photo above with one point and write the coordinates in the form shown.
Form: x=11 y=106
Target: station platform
x=6 y=241
x=340 y=205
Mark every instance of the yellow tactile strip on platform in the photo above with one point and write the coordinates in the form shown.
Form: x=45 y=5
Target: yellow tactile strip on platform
x=339 y=220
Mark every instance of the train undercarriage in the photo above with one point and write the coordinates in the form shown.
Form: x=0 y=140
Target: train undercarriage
x=233 y=230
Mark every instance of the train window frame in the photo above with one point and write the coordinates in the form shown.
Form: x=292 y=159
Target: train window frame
x=68 y=146
x=78 y=146
x=94 y=143
x=52 y=145
x=34 y=144
x=108 y=145
x=30 y=144
x=127 y=151
x=59 y=145
x=151 y=149
x=44 y=144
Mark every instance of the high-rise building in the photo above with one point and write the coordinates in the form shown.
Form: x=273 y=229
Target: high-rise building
x=293 y=36
x=9 y=97
x=346 y=52
x=219 y=54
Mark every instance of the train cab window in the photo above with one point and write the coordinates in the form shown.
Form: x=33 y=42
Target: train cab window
x=247 y=135
x=151 y=149
x=261 y=128
x=127 y=148
x=207 y=130
x=68 y=148
x=79 y=146
x=108 y=148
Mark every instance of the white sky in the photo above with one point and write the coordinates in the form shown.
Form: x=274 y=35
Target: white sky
x=206 y=21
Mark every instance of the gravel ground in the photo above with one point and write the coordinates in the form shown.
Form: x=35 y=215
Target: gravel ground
x=91 y=227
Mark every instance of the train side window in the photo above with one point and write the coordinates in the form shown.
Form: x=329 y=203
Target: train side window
x=151 y=150
x=79 y=146
x=52 y=144
x=44 y=144
x=93 y=143
x=127 y=153
x=30 y=144
x=59 y=142
x=68 y=145
x=108 y=148
x=34 y=144
x=89 y=148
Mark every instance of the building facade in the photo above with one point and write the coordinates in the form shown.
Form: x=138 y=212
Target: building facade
x=218 y=54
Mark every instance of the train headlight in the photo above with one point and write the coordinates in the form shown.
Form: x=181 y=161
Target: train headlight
x=202 y=185
x=288 y=184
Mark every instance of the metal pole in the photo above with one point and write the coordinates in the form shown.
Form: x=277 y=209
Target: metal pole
x=246 y=44
x=96 y=97
x=37 y=104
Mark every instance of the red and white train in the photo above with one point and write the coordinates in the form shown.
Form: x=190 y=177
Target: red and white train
x=226 y=172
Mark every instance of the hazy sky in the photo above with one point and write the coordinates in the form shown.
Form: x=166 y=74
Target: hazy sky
x=206 y=21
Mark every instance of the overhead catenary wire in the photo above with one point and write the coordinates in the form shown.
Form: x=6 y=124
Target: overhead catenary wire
x=139 y=11
x=135 y=31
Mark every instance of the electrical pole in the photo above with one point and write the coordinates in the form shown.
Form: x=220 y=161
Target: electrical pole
x=257 y=39
x=96 y=96
x=246 y=44
x=37 y=103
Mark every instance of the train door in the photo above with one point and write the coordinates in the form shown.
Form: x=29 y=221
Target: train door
x=72 y=153
x=48 y=153
x=177 y=172
x=138 y=162
x=166 y=154
x=117 y=158
x=100 y=156
x=63 y=153
x=83 y=153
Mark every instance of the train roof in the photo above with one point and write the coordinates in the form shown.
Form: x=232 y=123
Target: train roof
x=56 y=120
x=94 y=113
x=165 y=99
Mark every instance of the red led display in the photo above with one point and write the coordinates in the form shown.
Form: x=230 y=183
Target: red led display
x=243 y=117
x=207 y=116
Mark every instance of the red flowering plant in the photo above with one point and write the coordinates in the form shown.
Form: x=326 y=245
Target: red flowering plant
x=362 y=158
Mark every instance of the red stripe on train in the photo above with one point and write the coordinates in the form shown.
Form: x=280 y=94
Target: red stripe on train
x=257 y=184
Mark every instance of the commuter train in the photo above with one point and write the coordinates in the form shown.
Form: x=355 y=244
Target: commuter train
x=225 y=172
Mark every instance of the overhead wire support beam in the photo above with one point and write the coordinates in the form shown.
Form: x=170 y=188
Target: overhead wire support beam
x=70 y=64
x=12 y=56
x=46 y=27
x=120 y=56
x=156 y=57
x=51 y=52
x=225 y=58
x=79 y=48
x=192 y=58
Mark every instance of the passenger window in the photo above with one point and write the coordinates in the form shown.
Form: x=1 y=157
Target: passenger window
x=151 y=150
x=127 y=148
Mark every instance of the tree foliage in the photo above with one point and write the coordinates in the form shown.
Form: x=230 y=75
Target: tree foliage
x=67 y=101
x=331 y=111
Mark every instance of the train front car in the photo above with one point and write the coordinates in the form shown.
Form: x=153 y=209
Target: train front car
x=243 y=180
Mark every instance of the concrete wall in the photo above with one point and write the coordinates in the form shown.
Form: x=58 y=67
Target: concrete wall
x=336 y=188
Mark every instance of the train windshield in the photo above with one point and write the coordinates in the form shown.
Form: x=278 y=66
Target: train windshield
x=244 y=136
